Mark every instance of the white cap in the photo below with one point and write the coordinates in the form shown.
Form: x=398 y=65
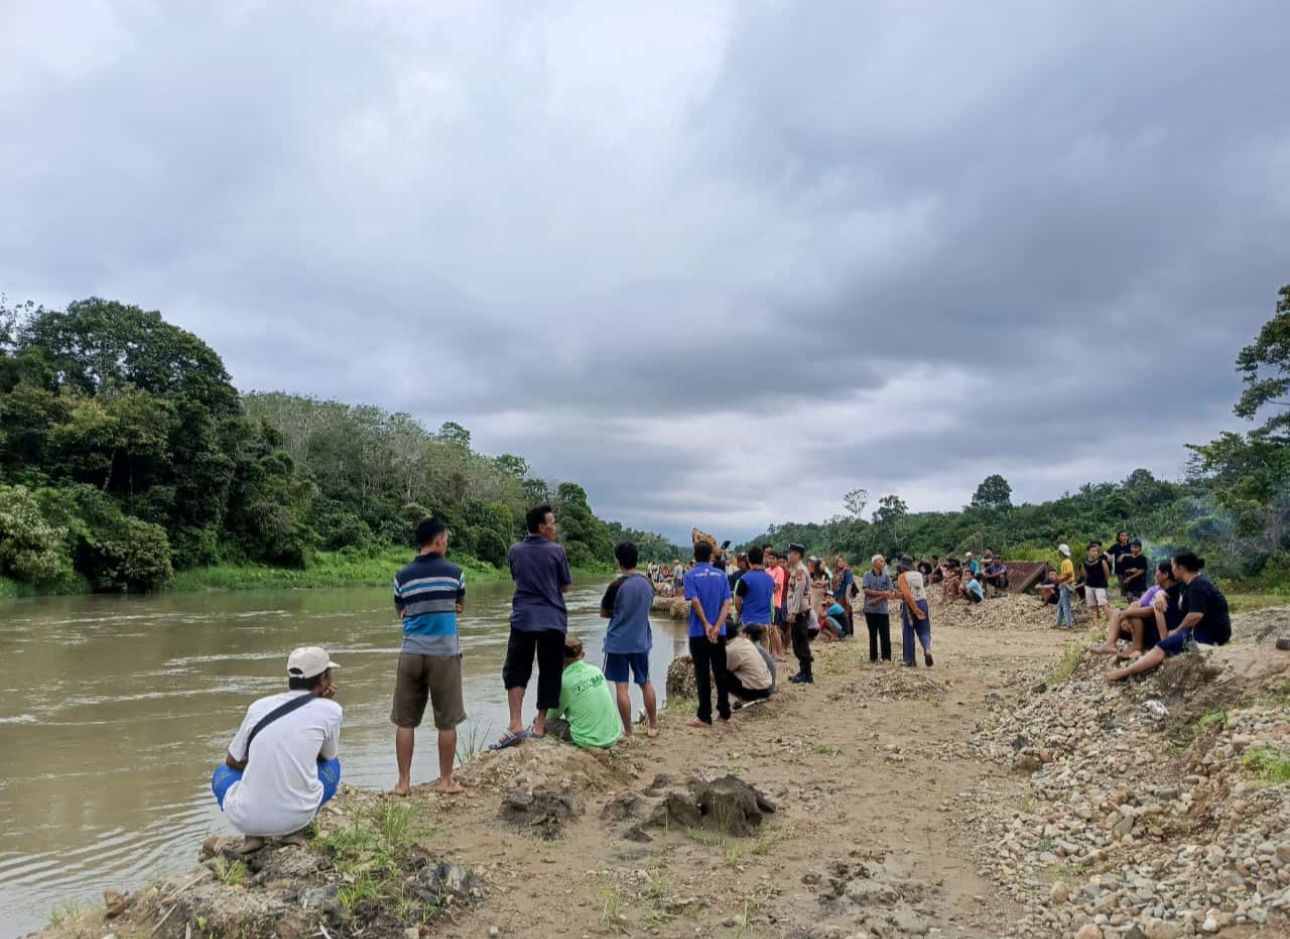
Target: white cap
x=967 y=554
x=1064 y=549
x=308 y=661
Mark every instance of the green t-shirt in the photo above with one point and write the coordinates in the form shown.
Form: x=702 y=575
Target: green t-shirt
x=586 y=703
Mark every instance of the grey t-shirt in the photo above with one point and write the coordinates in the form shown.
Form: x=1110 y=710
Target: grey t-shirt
x=881 y=582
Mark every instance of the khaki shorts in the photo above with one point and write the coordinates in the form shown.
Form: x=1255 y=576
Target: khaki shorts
x=1095 y=596
x=433 y=677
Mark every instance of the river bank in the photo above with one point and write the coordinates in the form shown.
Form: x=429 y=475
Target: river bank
x=972 y=799
x=326 y=569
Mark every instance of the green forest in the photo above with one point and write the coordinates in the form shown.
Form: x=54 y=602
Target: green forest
x=126 y=455
x=1233 y=505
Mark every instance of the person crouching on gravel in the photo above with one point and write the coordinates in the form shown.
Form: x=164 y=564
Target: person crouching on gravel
x=294 y=738
x=748 y=668
x=587 y=715
x=1206 y=620
x=915 y=618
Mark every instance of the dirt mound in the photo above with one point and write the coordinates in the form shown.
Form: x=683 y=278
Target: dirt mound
x=541 y=811
x=548 y=763
x=1010 y=611
x=1264 y=625
x=893 y=684
x=726 y=805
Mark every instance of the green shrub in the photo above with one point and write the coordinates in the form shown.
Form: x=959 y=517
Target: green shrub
x=31 y=549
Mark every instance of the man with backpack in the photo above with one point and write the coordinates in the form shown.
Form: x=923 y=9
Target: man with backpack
x=282 y=764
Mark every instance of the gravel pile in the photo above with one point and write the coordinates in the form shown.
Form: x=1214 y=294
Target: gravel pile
x=1145 y=816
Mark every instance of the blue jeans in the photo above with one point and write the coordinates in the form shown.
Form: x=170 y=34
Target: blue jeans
x=1065 y=615
x=911 y=625
x=328 y=774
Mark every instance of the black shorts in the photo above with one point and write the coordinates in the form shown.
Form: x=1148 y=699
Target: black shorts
x=548 y=646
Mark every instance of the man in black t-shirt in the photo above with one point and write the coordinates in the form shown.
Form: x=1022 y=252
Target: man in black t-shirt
x=1132 y=569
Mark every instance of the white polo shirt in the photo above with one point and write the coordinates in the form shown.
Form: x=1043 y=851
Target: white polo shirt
x=280 y=792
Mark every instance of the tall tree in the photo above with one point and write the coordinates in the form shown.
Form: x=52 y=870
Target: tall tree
x=1265 y=369
x=993 y=493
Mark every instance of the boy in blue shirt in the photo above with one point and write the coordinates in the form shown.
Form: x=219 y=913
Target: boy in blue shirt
x=628 y=637
x=708 y=591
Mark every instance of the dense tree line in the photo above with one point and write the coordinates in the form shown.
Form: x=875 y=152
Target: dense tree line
x=1233 y=503
x=126 y=452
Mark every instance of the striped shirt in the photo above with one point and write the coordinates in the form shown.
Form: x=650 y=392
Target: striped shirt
x=426 y=594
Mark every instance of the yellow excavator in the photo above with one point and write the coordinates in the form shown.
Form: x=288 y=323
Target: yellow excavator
x=718 y=550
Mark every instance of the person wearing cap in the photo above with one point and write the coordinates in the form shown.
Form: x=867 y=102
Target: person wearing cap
x=283 y=763
x=915 y=616
x=429 y=595
x=971 y=562
x=1065 y=586
x=799 y=613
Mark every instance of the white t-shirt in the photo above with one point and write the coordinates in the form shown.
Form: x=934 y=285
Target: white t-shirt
x=280 y=791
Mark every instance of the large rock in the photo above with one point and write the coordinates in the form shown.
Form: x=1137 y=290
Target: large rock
x=728 y=805
x=680 y=679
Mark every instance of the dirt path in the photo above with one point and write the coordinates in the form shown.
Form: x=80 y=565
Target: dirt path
x=863 y=766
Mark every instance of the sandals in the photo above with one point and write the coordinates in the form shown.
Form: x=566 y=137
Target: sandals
x=509 y=739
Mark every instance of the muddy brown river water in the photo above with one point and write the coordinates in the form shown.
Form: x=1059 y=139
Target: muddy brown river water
x=114 y=711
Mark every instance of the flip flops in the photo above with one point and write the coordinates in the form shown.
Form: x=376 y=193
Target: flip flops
x=509 y=739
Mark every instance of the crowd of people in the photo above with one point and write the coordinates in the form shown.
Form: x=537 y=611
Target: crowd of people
x=742 y=623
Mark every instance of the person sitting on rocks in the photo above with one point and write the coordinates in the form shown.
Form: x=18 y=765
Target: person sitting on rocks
x=587 y=715
x=1149 y=619
x=749 y=674
x=951 y=579
x=294 y=738
x=995 y=574
x=1205 y=621
x=972 y=589
x=831 y=618
x=1048 y=587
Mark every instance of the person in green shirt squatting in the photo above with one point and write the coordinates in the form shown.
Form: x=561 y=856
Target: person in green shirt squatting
x=588 y=715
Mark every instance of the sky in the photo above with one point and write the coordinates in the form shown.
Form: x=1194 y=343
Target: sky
x=718 y=262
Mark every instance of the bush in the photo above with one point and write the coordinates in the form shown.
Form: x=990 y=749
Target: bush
x=31 y=549
x=127 y=555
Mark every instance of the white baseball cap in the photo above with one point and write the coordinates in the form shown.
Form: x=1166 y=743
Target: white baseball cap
x=308 y=661
x=1064 y=549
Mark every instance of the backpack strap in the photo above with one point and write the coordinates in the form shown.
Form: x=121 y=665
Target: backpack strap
x=282 y=710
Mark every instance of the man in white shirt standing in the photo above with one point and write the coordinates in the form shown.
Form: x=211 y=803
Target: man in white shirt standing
x=294 y=738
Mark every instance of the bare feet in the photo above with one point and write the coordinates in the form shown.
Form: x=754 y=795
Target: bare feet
x=695 y=722
x=652 y=732
x=401 y=788
x=1118 y=674
x=249 y=845
x=1102 y=649
x=296 y=838
x=449 y=787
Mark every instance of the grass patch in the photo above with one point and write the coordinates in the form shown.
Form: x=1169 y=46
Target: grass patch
x=1212 y=718
x=473 y=742
x=611 y=905
x=62 y=913
x=231 y=873
x=373 y=854
x=1271 y=767
x=827 y=749
x=1239 y=601
x=1065 y=666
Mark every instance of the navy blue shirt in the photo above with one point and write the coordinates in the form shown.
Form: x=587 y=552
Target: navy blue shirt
x=627 y=600
x=539 y=568
x=712 y=589
x=426 y=594
x=757 y=588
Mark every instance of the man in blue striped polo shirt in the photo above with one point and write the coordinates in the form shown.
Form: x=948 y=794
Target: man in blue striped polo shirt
x=428 y=595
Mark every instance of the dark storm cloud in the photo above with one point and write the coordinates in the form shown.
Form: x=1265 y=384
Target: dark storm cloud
x=719 y=264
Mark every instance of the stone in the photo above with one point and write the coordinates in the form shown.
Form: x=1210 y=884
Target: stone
x=1210 y=925
x=114 y=902
x=493 y=932
x=1059 y=892
x=1159 y=929
x=412 y=932
x=1089 y=931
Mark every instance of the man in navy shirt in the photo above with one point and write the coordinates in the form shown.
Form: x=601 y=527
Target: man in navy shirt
x=628 y=637
x=539 y=621
x=429 y=593
x=755 y=592
x=709 y=594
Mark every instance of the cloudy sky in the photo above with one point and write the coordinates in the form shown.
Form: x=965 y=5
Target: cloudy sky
x=719 y=262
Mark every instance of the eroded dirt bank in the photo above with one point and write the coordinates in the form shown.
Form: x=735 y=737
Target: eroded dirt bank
x=1005 y=792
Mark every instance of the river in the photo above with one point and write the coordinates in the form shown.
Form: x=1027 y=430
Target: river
x=114 y=710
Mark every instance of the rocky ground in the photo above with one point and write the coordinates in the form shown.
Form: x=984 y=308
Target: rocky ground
x=1006 y=792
